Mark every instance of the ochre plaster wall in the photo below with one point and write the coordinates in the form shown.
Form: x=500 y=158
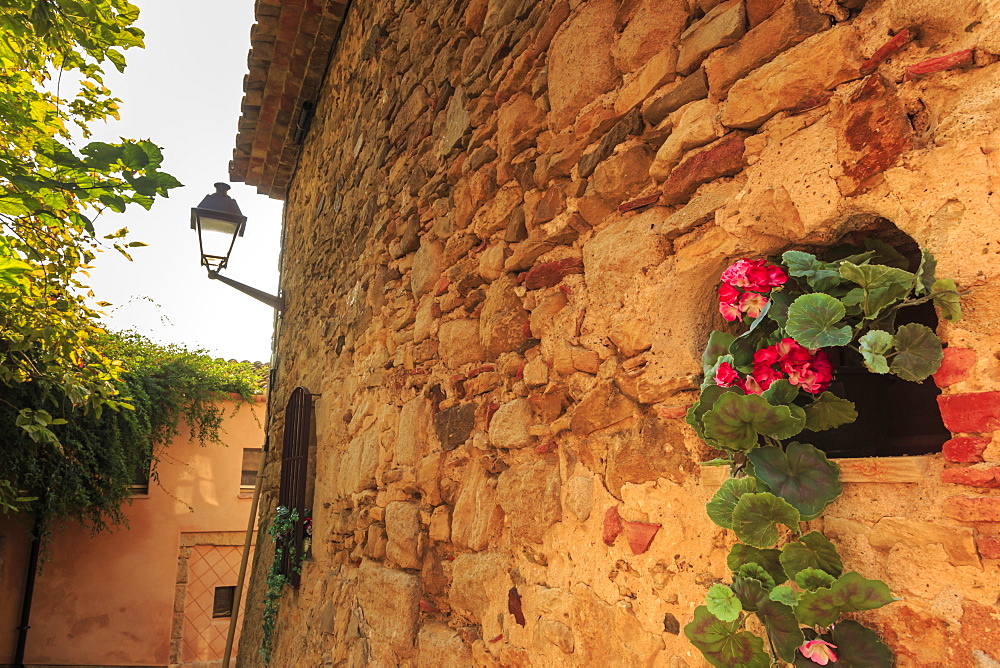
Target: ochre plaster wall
x=501 y=249
x=109 y=599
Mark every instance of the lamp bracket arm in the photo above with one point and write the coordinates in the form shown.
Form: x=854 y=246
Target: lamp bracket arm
x=277 y=303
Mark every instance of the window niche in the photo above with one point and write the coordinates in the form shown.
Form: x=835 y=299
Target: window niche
x=896 y=417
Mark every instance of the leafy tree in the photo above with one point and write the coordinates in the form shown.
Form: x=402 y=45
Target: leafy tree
x=50 y=194
x=85 y=474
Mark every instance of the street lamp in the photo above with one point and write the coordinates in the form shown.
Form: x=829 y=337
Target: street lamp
x=218 y=221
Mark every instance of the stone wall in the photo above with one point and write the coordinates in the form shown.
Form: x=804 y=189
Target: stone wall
x=502 y=244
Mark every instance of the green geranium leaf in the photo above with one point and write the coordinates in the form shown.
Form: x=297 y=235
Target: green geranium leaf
x=781 y=393
x=859 y=647
x=784 y=594
x=756 y=572
x=718 y=461
x=742 y=351
x=886 y=254
x=769 y=560
x=782 y=628
x=813 y=579
x=723 y=644
x=925 y=274
x=750 y=591
x=800 y=474
x=718 y=345
x=813 y=321
x=720 y=508
x=874 y=345
x=722 y=603
x=709 y=395
x=736 y=421
x=882 y=285
x=813 y=550
x=850 y=593
x=828 y=411
x=821 y=276
x=947 y=299
x=756 y=516
x=918 y=352
x=779 y=301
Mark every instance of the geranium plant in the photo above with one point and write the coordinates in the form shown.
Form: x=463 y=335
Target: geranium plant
x=762 y=389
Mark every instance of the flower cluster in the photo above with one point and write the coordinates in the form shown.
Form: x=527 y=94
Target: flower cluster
x=743 y=286
x=808 y=369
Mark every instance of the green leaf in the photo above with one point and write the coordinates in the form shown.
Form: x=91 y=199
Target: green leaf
x=860 y=647
x=718 y=345
x=782 y=628
x=736 y=421
x=781 y=393
x=874 y=345
x=722 y=603
x=813 y=550
x=133 y=157
x=800 y=474
x=750 y=591
x=947 y=299
x=756 y=572
x=821 y=276
x=720 y=507
x=813 y=321
x=850 y=593
x=756 y=515
x=723 y=644
x=882 y=285
x=784 y=594
x=779 y=301
x=828 y=411
x=709 y=396
x=886 y=254
x=813 y=579
x=770 y=560
x=925 y=274
x=918 y=353
x=101 y=155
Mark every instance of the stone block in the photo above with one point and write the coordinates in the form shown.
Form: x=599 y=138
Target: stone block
x=659 y=70
x=529 y=495
x=699 y=210
x=696 y=124
x=458 y=342
x=548 y=274
x=402 y=527
x=556 y=633
x=957 y=541
x=794 y=78
x=972 y=476
x=722 y=158
x=671 y=98
x=549 y=206
x=503 y=319
x=623 y=174
x=955 y=366
x=519 y=121
x=543 y=315
x=623 y=249
x=651 y=31
x=440 y=525
x=988 y=545
x=973 y=508
x=456 y=123
x=720 y=27
x=965 y=449
x=602 y=407
x=477 y=516
x=414 y=426
x=874 y=132
x=639 y=535
x=630 y=124
x=440 y=646
x=427 y=267
x=758 y=10
x=454 y=425
x=580 y=65
x=389 y=600
x=794 y=21
x=509 y=426
x=580 y=496
x=357 y=466
x=973 y=412
x=477 y=578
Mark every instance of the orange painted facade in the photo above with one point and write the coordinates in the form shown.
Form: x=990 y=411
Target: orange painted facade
x=144 y=594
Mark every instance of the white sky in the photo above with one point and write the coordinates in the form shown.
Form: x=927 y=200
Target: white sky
x=183 y=92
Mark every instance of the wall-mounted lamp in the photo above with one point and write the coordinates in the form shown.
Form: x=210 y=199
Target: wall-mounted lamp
x=219 y=221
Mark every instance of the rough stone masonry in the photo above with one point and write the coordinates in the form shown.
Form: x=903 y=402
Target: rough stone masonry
x=503 y=234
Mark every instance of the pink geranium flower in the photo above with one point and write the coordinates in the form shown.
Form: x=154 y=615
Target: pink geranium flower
x=752 y=303
x=726 y=375
x=819 y=651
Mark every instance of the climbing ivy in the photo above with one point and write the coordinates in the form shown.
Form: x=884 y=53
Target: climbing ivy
x=282 y=532
x=85 y=471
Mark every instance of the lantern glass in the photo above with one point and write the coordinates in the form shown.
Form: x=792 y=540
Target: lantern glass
x=218 y=222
